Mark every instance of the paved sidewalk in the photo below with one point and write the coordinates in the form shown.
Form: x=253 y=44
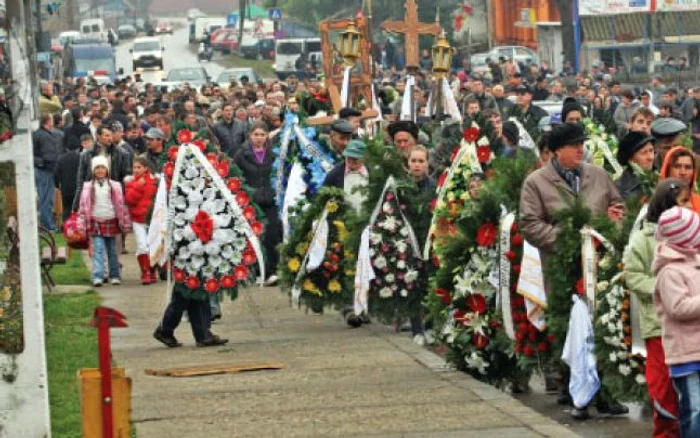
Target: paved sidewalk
x=337 y=382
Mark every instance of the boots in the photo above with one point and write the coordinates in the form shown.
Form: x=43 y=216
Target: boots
x=145 y=265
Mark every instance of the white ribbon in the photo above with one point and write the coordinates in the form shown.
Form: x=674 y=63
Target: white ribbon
x=589 y=258
x=184 y=158
x=319 y=243
x=408 y=110
x=531 y=286
x=296 y=188
x=364 y=274
x=345 y=90
x=373 y=123
x=158 y=228
x=326 y=162
x=506 y=310
x=284 y=149
x=526 y=140
x=579 y=354
x=296 y=289
x=450 y=103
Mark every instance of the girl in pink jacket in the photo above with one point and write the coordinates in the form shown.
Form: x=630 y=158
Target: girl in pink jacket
x=103 y=216
x=677 y=300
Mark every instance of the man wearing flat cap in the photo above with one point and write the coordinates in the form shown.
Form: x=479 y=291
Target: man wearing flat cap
x=351 y=173
x=351 y=115
x=404 y=135
x=549 y=190
x=341 y=134
x=524 y=103
x=667 y=132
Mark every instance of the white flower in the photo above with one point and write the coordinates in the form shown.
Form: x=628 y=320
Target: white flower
x=215 y=261
x=605 y=262
x=401 y=264
x=483 y=141
x=386 y=208
x=385 y=292
x=401 y=246
x=476 y=361
x=179 y=220
x=404 y=293
x=390 y=224
x=184 y=253
x=625 y=370
x=411 y=276
x=222 y=220
x=613 y=357
x=191 y=213
x=404 y=231
x=239 y=243
x=611 y=327
x=375 y=238
x=227 y=252
x=208 y=271
x=188 y=233
x=380 y=262
x=179 y=203
x=640 y=379
x=210 y=194
x=603 y=286
x=212 y=248
x=197 y=261
x=225 y=268
x=389 y=278
x=191 y=172
x=622 y=355
x=223 y=235
x=605 y=318
x=194 y=199
x=196 y=247
x=178 y=234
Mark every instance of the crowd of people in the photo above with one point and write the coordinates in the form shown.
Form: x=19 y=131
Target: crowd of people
x=103 y=148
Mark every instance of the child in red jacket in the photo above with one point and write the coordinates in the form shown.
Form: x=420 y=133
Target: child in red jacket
x=140 y=193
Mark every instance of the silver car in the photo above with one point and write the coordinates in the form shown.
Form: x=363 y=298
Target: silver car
x=518 y=53
x=225 y=76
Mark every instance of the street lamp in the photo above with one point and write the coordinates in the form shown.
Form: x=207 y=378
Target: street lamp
x=442 y=54
x=350 y=44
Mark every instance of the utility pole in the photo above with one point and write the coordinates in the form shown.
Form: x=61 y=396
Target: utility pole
x=72 y=14
x=567 y=31
x=241 y=21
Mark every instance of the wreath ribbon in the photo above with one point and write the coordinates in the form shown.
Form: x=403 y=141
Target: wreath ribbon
x=315 y=243
x=504 y=272
x=589 y=258
x=287 y=131
x=607 y=153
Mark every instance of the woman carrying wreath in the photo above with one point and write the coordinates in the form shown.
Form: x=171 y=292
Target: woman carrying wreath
x=636 y=152
x=255 y=161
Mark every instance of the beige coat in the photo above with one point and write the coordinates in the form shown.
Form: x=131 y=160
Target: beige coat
x=541 y=197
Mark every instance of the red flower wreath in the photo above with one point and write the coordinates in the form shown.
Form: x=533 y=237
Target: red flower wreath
x=472 y=134
x=486 y=235
x=203 y=226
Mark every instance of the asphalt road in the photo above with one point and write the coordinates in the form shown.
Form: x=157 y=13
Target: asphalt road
x=177 y=54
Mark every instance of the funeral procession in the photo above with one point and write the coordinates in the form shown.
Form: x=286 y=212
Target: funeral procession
x=368 y=218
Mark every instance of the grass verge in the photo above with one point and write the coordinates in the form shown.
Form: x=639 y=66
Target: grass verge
x=74 y=272
x=71 y=344
x=262 y=68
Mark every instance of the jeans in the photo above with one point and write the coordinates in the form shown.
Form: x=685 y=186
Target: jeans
x=198 y=313
x=688 y=389
x=45 y=188
x=100 y=244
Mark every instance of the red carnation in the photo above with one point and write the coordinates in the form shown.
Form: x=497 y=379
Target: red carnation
x=436 y=261
x=179 y=275
x=441 y=180
x=241 y=272
x=257 y=227
x=172 y=153
x=519 y=336
x=516 y=269
x=222 y=169
x=480 y=341
x=522 y=327
x=192 y=283
x=514 y=228
x=242 y=199
x=233 y=184
x=516 y=240
x=511 y=255
x=472 y=134
x=445 y=297
x=477 y=303
x=495 y=324
x=486 y=235
x=532 y=337
x=528 y=351
x=203 y=226
x=542 y=347
x=580 y=287
x=249 y=213
x=228 y=282
x=249 y=258
x=483 y=153
x=550 y=338
x=211 y=285
x=201 y=145
x=519 y=348
x=169 y=169
x=184 y=136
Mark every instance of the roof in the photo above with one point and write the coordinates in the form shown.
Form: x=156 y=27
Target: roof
x=623 y=28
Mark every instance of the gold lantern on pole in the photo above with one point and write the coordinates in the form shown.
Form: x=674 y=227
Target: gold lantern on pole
x=442 y=54
x=350 y=44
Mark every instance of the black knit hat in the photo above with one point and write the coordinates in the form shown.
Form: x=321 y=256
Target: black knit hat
x=630 y=144
x=570 y=105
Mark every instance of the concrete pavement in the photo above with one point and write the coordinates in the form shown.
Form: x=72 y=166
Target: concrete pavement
x=337 y=382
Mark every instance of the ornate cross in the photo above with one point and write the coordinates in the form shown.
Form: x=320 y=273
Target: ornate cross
x=411 y=28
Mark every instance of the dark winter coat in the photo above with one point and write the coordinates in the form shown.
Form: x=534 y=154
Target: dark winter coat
x=73 y=134
x=47 y=149
x=336 y=177
x=66 y=177
x=629 y=184
x=231 y=136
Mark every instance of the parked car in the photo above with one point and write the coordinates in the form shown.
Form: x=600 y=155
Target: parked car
x=164 y=27
x=218 y=38
x=68 y=37
x=518 y=53
x=195 y=76
x=147 y=52
x=126 y=31
x=224 y=78
x=478 y=63
x=259 y=49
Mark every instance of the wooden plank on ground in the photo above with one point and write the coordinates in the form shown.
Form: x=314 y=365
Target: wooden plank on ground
x=209 y=370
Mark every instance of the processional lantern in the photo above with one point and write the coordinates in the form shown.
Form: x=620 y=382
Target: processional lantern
x=350 y=44
x=442 y=54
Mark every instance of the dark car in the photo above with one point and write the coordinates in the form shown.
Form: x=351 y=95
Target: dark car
x=125 y=31
x=260 y=49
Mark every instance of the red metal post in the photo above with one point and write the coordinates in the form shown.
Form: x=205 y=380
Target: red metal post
x=104 y=318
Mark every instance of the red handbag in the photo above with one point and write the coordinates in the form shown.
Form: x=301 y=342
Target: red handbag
x=76 y=237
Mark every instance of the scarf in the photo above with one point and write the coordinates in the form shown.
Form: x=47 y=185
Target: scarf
x=571 y=176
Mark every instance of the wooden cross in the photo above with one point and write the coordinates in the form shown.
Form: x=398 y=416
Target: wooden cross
x=337 y=105
x=411 y=28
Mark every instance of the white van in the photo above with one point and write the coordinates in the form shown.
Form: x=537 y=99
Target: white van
x=288 y=51
x=94 y=28
x=147 y=52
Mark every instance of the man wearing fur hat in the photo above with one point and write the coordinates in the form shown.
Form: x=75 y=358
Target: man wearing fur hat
x=404 y=135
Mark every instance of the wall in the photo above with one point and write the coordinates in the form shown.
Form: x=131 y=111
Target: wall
x=506 y=13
